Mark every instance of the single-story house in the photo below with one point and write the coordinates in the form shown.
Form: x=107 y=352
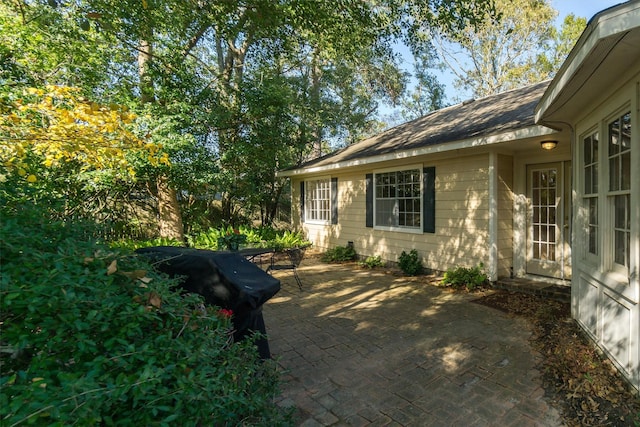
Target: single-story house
x=535 y=182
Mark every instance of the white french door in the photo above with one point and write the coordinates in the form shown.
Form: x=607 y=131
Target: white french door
x=548 y=252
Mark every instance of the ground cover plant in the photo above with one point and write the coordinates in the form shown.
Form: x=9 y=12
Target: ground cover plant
x=372 y=262
x=469 y=278
x=257 y=237
x=340 y=254
x=410 y=263
x=92 y=335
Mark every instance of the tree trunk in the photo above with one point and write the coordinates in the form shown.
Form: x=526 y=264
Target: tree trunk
x=316 y=76
x=169 y=216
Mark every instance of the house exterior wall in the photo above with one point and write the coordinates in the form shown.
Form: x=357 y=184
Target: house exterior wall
x=462 y=215
x=605 y=295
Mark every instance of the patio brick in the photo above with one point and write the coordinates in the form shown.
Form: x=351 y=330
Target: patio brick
x=365 y=348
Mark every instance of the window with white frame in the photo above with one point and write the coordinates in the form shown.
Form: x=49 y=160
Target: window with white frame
x=398 y=199
x=619 y=194
x=590 y=194
x=318 y=200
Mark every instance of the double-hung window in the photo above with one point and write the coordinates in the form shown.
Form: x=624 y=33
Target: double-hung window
x=398 y=199
x=619 y=194
x=318 y=200
x=590 y=194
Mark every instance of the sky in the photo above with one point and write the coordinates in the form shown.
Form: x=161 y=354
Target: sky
x=581 y=8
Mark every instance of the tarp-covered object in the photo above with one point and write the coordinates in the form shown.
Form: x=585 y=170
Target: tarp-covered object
x=224 y=279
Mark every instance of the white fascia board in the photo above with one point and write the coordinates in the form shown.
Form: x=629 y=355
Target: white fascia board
x=524 y=133
x=608 y=22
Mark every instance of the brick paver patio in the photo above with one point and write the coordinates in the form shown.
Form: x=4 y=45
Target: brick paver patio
x=367 y=348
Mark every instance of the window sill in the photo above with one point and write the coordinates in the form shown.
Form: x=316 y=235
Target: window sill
x=399 y=229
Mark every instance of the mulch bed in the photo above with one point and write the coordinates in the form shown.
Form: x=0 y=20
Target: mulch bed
x=584 y=384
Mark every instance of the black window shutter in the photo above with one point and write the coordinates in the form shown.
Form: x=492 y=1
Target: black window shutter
x=429 y=199
x=334 y=200
x=302 y=201
x=369 y=199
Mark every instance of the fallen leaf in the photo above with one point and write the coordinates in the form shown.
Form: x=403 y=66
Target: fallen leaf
x=113 y=267
x=135 y=274
x=155 y=300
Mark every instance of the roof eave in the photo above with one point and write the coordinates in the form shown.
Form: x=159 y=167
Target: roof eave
x=514 y=135
x=606 y=23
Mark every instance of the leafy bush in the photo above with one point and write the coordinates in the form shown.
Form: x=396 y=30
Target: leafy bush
x=410 y=263
x=131 y=244
x=372 y=262
x=340 y=254
x=91 y=335
x=288 y=239
x=470 y=278
x=263 y=237
x=207 y=239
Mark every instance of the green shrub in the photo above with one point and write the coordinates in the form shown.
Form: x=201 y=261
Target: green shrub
x=340 y=254
x=263 y=237
x=372 y=262
x=288 y=239
x=93 y=336
x=410 y=263
x=470 y=278
x=131 y=244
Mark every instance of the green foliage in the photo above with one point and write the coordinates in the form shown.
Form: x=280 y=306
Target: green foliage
x=514 y=50
x=285 y=77
x=93 y=336
x=410 y=263
x=470 y=278
x=231 y=240
x=372 y=262
x=340 y=254
x=288 y=239
x=132 y=244
x=262 y=237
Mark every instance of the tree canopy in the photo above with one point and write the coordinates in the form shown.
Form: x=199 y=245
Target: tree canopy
x=516 y=46
x=228 y=92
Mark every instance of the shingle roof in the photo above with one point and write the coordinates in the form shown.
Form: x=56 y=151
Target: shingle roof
x=492 y=115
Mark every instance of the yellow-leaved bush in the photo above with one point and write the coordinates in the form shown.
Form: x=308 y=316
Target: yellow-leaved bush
x=58 y=124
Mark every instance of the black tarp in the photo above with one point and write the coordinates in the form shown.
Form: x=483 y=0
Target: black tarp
x=224 y=279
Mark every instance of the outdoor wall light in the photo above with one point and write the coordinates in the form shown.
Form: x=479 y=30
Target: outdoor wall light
x=549 y=145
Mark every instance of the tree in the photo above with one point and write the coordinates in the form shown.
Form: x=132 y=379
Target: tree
x=560 y=44
x=427 y=94
x=214 y=81
x=508 y=52
x=55 y=125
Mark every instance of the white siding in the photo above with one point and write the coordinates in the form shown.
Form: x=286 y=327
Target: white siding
x=605 y=303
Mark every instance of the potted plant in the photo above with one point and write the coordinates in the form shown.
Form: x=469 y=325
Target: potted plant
x=232 y=240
